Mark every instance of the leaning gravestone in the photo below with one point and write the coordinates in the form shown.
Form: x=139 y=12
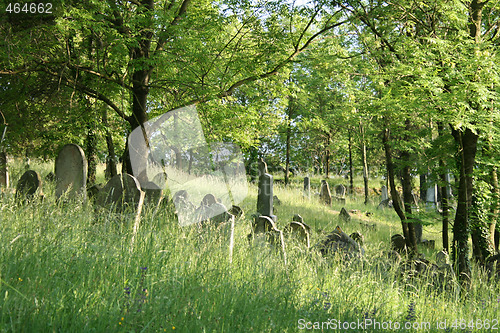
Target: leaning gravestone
x=4 y=172
x=71 y=172
x=307 y=187
x=344 y=215
x=29 y=186
x=325 y=194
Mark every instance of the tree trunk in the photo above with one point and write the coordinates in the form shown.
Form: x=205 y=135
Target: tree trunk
x=91 y=152
x=394 y=193
x=110 y=160
x=467 y=146
x=351 y=171
x=327 y=157
x=288 y=134
x=407 y=195
x=444 y=196
x=365 y=164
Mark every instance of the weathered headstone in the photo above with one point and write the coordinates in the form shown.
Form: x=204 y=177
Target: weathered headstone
x=4 y=172
x=417 y=225
x=325 y=194
x=340 y=190
x=71 y=172
x=299 y=231
x=29 y=186
x=431 y=197
x=307 y=187
x=265 y=196
x=264 y=228
x=398 y=243
x=237 y=211
x=298 y=218
x=339 y=242
x=358 y=237
x=344 y=215
x=442 y=258
x=93 y=190
x=122 y=193
x=385 y=193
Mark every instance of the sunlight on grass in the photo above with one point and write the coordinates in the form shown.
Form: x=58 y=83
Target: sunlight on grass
x=65 y=268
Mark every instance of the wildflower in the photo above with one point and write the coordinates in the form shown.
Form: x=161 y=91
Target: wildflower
x=173 y=327
x=411 y=312
x=20 y=280
x=144 y=268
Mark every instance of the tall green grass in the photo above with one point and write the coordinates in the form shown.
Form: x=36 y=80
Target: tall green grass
x=66 y=268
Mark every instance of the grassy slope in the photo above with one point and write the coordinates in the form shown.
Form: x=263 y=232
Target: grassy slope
x=65 y=268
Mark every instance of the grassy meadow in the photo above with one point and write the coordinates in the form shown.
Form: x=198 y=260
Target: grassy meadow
x=65 y=268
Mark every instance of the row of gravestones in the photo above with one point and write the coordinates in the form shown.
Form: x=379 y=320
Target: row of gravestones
x=264 y=229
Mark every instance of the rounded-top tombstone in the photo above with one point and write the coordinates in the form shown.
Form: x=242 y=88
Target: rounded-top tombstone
x=120 y=192
x=28 y=185
x=71 y=172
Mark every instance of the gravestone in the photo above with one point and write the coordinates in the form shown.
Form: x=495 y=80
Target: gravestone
x=398 y=243
x=298 y=218
x=324 y=195
x=417 y=225
x=358 y=237
x=299 y=231
x=4 y=171
x=442 y=258
x=307 y=187
x=29 y=186
x=340 y=190
x=385 y=193
x=237 y=211
x=264 y=229
x=431 y=197
x=338 y=242
x=71 y=172
x=265 y=196
x=122 y=194
x=344 y=215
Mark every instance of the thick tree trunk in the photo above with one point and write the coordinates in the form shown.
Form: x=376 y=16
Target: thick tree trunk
x=495 y=206
x=351 y=171
x=467 y=146
x=394 y=193
x=407 y=195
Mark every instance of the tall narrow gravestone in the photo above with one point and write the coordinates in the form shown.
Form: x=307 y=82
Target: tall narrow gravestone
x=340 y=190
x=4 y=172
x=325 y=195
x=385 y=194
x=71 y=172
x=431 y=197
x=265 y=196
x=307 y=187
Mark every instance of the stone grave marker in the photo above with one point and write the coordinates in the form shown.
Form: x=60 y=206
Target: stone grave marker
x=344 y=215
x=340 y=190
x=339 y=242
x=265 y=196
x=71 y=172
x=325 y=194
x=398 y=243
x=237 y=211
x=4 y=171
x=122 y=194
x=307 y=187
x=431 y=197
x=385 y=193
x=264 y=229
x=29 y=186
x=299 y=231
